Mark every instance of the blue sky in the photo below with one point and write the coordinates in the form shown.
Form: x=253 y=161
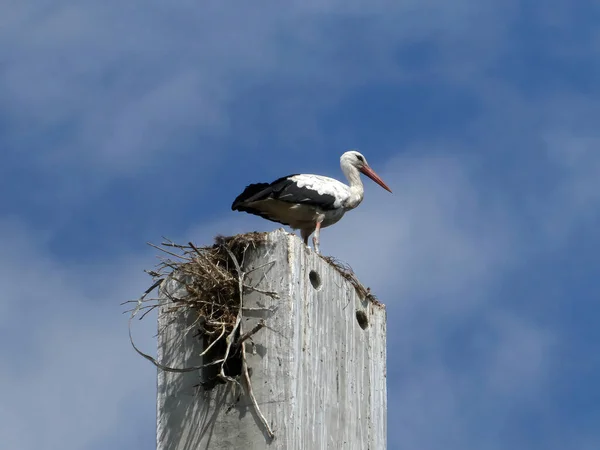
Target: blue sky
x=120 y=123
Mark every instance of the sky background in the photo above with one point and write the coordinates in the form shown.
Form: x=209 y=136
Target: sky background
x=121 y=122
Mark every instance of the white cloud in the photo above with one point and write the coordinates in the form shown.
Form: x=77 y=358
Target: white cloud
x=576 y=160
x=436 y=235
x=127 y=80
x=437 y=402
x=69 y=372
x=116 y=86
x=520 y=358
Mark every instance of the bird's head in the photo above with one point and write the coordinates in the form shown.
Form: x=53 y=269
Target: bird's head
x=355 y=159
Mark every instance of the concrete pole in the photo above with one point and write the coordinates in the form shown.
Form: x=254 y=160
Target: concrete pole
x=318 y=371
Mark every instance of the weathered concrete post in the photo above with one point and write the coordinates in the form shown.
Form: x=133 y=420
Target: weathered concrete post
x=318 y=369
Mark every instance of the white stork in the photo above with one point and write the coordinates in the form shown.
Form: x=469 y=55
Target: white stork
x=309 y=202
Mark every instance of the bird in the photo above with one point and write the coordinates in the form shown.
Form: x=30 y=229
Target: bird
x=308 y=202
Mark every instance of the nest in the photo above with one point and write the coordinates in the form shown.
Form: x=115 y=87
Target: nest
x=209 y=283
x=210 y=278
x=346 y=271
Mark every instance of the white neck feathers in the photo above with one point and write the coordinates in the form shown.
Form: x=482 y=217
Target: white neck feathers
x=356 y=185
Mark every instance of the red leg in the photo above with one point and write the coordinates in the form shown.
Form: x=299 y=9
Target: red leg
x=316 y=236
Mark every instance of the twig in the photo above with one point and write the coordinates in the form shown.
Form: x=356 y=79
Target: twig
x=143 y=307
x=213 y=342
x=271 y=294
x=148 y=312
x=251 y=395
x=155 y=362
x=166 y=251
x=260 y=308
x=195 y=249
x=146 y=292
x=247 y=335
x=270 y=263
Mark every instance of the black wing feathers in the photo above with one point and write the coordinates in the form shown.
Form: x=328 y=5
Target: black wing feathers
x=285 y=190
x=259 y=191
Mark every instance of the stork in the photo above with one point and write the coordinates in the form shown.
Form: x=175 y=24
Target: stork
x=309 y=202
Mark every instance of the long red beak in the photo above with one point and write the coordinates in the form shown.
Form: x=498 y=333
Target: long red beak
x=373 y=176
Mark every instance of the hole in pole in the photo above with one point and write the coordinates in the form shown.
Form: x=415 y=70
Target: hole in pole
x=315 y=279
x=362 y=319
x=233 y=366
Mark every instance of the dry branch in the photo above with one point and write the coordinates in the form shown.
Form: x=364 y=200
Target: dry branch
x=346 y=271
x=210 y=283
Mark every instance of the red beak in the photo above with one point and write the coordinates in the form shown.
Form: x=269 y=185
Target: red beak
x=373 y=176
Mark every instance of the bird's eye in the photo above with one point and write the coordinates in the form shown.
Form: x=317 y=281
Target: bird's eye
x=360 y=158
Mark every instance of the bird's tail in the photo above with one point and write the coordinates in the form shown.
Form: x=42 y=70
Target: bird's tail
x=251 y=193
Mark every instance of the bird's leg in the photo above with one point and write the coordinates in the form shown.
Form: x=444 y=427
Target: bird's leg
x=316 y=237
